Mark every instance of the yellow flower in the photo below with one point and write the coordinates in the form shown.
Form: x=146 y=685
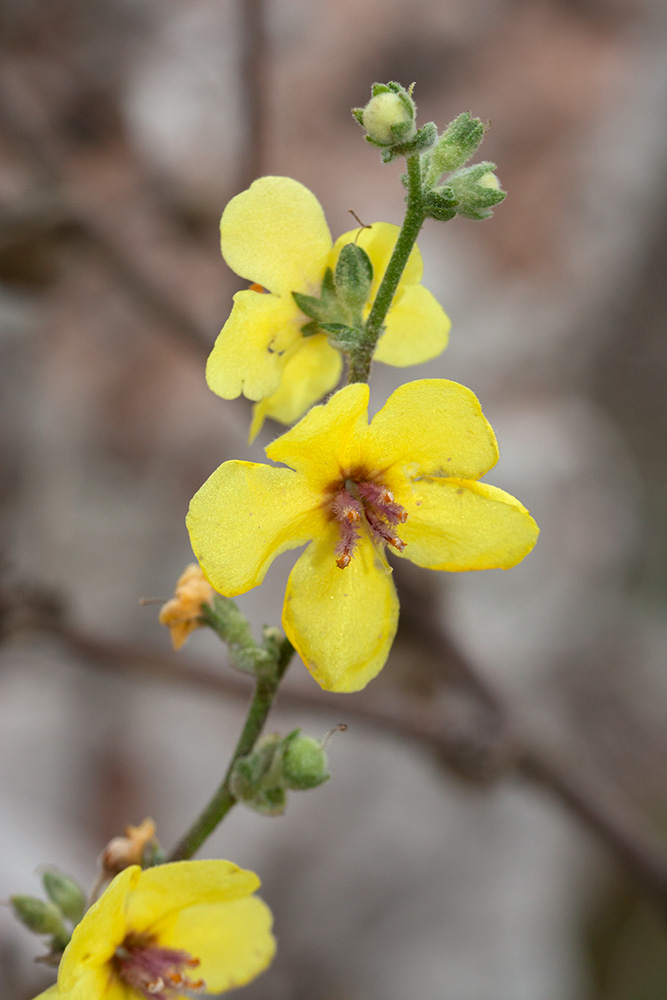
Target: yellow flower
x=159 y=933
x=275 y=235
x=408 y=479
x=182 y=613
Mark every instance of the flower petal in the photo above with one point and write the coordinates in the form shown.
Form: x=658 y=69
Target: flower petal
x=341 y=622
x=275 y=234
x=310 y=372
x=97 y=984
x=163 y=891
x=416 y=329
x=379 y=241
x=328 y=439
x=245 y=515
x=99 y=933
x=232 y=940
x=456 y=525
x=250 y=352
x=431 y=427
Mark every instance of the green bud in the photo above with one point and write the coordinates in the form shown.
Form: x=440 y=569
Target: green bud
x=353 y=276
x=304 y=762
x=269 y=801
x=476 y=190
x=455 y=146
x=39 y=916
x=66 y=894
x=389 y=116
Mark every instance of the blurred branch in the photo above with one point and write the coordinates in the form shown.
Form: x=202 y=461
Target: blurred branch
x=40 y=144
x=468 y=726
x=257 y=92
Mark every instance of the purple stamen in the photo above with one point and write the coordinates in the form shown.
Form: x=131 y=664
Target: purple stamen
x=370 y=504
x=155 y=973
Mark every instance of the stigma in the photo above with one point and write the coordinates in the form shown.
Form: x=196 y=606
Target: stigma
x=365 y=505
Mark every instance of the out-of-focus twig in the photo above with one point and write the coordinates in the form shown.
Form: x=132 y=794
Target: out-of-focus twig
x=40 y=144
x=256 y=90
x=480 y=738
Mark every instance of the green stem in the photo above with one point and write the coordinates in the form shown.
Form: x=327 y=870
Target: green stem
x=360 y=358
x=223 y=800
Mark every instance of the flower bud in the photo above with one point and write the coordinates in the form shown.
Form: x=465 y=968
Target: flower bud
x=455 y=146
x=39 y=916
x=389 y=116
x=476 y=190
x=304 y=762
x=66 y=894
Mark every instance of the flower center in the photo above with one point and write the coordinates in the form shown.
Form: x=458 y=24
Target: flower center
x=155 y=973
x=359 y=504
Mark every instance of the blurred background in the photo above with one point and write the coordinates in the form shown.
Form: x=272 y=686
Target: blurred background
x=125 y=126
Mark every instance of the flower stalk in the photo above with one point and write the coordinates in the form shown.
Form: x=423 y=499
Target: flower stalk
x=361 y=356
x=223 y=800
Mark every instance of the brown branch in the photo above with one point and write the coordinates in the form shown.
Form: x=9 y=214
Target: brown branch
x=22 y=121
x=474 y=735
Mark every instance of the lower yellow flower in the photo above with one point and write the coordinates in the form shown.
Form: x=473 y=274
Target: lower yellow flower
x=275 y=235
x=408 y=480
x=191 y=926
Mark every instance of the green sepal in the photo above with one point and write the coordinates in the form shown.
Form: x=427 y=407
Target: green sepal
x=353 y=277
x=440 y=204
x=424 y=139
x=476 y=198
x=342 y=337
x=455 y=146
x=40 y=917
x=65 y=894
x=310 y=306
x=310 y=329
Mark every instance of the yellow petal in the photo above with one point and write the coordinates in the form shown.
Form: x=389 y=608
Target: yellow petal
x=250 y=353
x=379 y=241
x=328 y=439
x=431 y=427
x=163 y=891
x=342 y=622
x=99 y=933
x=232 y=940
x=416 y=329
x=245 y=515
x=275 y=234
x=98 y=984
x=310 y=372
x=459 y=525
x=51 y=992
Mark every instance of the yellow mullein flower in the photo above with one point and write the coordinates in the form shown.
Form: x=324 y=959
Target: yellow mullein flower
x=275 y=235
x=187 y=927
x=182 y=613
x=408 y=479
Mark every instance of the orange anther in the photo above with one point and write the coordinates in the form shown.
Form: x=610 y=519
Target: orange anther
x=254 y=287
x=352 y=515
x=344 y=560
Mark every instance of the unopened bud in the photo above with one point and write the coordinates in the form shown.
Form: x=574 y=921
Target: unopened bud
x=389 y=116
x=39 y=916
x=304 y=762
x=66 y=894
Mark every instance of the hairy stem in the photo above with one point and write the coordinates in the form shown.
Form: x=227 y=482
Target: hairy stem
x=361 y=356
x=263 y=697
